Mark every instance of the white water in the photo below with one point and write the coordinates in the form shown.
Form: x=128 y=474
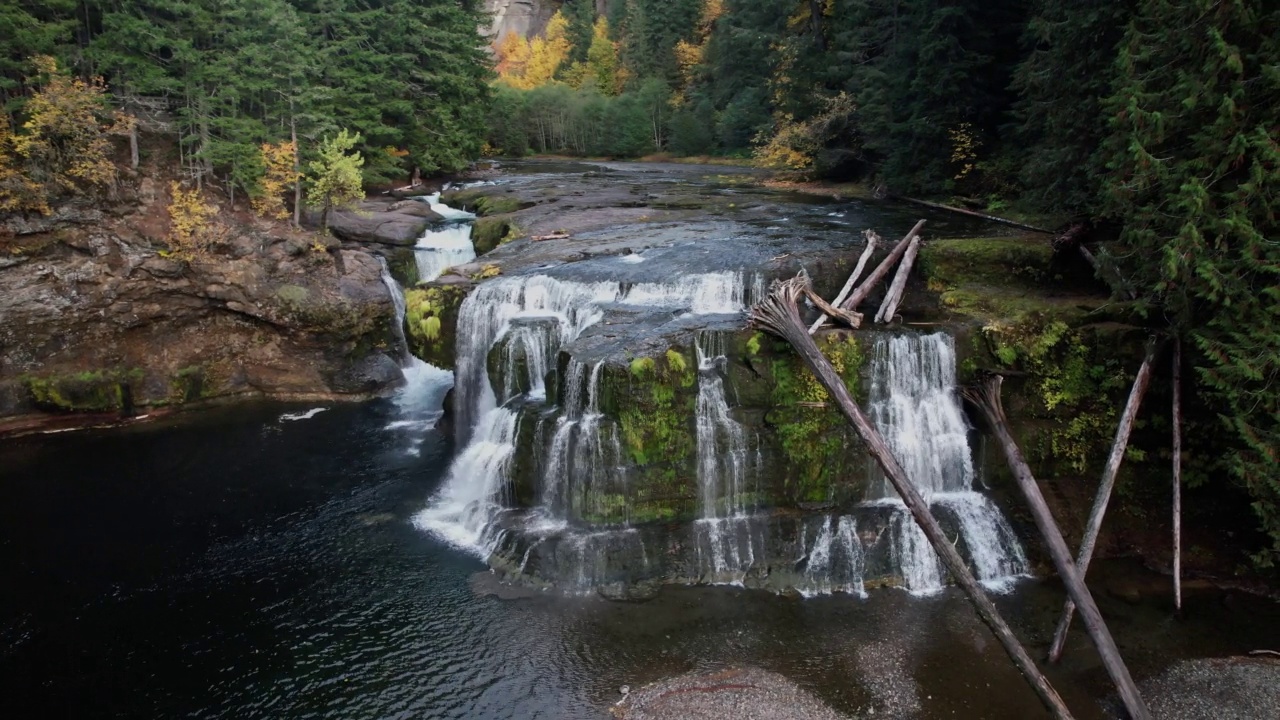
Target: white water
x=914 y=405
x=836 y=561
x=581 y=454
x=445 y=211
x=421 y=399
x=723 y=465
x=442 y=248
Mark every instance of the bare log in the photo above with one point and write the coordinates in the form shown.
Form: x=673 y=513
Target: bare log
x=778 y=314
x=987 y=398
x=899 y=285
x=857 y=296
x=971 y=213
x=850 y=318
x=1177 y=474
x=872 y=239
x=1109 y=473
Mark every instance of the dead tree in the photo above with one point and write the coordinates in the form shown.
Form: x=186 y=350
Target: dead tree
x=1177 y=474
x=899 y=285
x=857 y=296
x=779 y=314
x=1103 y=497
x=972 y=213
x=872 y=240
x=987 y=398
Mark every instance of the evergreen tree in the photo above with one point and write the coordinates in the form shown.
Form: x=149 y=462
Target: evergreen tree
x=1194 y=176
x=334 y=178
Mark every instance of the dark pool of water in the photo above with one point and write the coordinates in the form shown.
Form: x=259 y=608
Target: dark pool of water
x=232 y=564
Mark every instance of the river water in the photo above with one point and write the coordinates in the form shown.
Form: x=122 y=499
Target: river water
x=241 y=564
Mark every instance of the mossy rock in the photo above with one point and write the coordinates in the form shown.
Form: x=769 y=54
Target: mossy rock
x=484 y=201
x=91 y=391
x=999 y=261
x=431 y=321
x=489 y=232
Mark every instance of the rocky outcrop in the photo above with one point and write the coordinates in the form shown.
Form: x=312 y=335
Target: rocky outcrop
x=522 y=17
x=96 y=317
x=384 y=221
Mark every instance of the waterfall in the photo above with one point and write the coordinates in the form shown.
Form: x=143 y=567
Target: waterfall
x=914 y=405
x=441 y=248
x=534 y=317
x=723 y=462
x=836 y=562
x=421 y=400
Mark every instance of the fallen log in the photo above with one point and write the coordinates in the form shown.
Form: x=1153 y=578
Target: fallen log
x=850 y=318
x=1177 y=474
x=557 y=235
x=899 y=285
x=779 y=314
x=1113 y=279
x=857 y=296
x=971 y=213
x=1109 y=474
x=987 y=398
x=872 y=240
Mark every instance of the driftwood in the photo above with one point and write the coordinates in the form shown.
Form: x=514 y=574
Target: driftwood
x=987 y=398
x=971 y=213
x=557 y=235
x=872 y=240
x=857 y=296
x=1177 y=474
x=850 y=318
x=1099 y=510
x=899 y=285
x=778 y=314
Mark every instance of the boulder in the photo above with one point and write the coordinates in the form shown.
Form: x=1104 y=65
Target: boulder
x=381 y=221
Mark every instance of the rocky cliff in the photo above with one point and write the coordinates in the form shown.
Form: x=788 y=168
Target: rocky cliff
x=98 y=315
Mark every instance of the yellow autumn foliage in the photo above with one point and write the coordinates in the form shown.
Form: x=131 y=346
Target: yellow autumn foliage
x=18 y=192
x=278 y=178
x=190 y=226
x=527 y=65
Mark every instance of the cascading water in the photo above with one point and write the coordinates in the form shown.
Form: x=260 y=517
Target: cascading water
x=913 y=403
x=835 y=561
x=443 y=247
x=584 y=452
x=422 y=397
x=723 y=459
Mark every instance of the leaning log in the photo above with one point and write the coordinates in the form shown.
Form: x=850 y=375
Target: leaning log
x=1103 y=497
x=779 y=314
x=987 y=398
x=899 y=285
x=1177 y=474
x=857 y=296
x=972 y=213
x=872 y=239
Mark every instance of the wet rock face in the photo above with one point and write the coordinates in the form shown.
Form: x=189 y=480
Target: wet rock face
x=94 y=319
x=522 y=17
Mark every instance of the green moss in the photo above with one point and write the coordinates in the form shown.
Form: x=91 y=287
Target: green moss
x=488 y=233
x=753 y=345
x=642 y=365
x=812 y=432
x=657 y=423
x=999 y=262
x=430 y=314
x=499 y=205
x=91 y=391
x=293 y=294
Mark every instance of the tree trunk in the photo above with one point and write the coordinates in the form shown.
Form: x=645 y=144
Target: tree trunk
x=815 y=25
x=855 y=299
x=971 y=213
x=1104 y=491
x=1113 y=279
x=779 y=315
x=899 y=286
x=133 y=145
x=872 y=240
x=1177 y=474
x=987 y=399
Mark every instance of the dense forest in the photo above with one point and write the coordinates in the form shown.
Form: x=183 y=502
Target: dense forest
x=1150 y=124
x=224 y=78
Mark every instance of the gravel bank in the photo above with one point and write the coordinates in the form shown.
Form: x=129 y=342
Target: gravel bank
x=740 y=693
x=1216 y=689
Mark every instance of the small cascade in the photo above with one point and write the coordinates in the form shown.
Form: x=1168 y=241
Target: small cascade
x=723 y=462
x=421 y=400
x=913 y=403
x=534 y=317
x=835 y=561
x=443 y=247
x=584 y=454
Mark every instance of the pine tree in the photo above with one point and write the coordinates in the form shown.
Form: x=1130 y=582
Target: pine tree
x=335 y=178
